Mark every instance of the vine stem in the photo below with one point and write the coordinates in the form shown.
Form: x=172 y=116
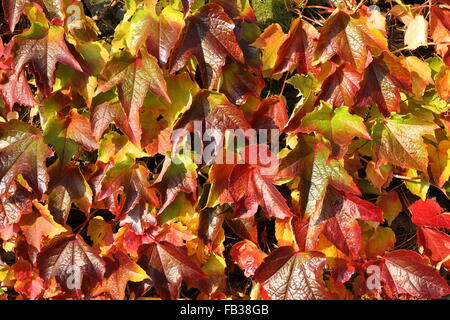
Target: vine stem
x=284 y=83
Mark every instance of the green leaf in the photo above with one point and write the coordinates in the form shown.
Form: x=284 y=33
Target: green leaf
x=338 y=126
x=399 y=141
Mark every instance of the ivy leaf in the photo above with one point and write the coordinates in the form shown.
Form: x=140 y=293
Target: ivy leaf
x=251 y=185
x=179 y=174
x=337 y=125
x=23 y=151
x=12 y=10
x=67 y=257
x=399 y=141
x=27 y=282
x=106 y=112
x=67 y=185
x=119 y=270
x=14 y=203
x=216 y=115
x=239 y=84
x=436 y=244
x=247 y=256
x=405 y=272
x=340 y=212
x=17 y=90
x=159 y=32
x=420 y=74
x=139 y=218
x=440 y=162
x=341 y=86
x=43 y=50
x=181 y=89
x=270 y=42
x=40 y=224
x=131 y=180
x=289 y=275
x=317 y=172
x=209 y=37
x=67 y=135
x=308 y=87
x=379 y=241
x=271 y=113
x=383 y=79
x=440 y=31
x=429 y=213
x=168 y=266
x=116 y=148
x=298 y=49
x=391 y=206
x=134 y=77
x=350 y=37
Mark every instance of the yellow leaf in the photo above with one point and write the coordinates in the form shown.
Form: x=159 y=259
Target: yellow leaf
x=101 y=234
x=391 y=206
x=416 y=32
x=377 y=241
x=440 y=162
x=420 y=73
x=284 y=233
x=270 y=42
x=418 y=187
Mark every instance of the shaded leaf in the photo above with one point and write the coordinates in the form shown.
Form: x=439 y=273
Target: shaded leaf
x=209 y=37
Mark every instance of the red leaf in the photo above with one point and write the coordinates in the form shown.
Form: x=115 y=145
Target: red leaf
x=27 y=282
x=436 y=244
x=270 y=114
x=134 y=78
x=429 y=213
x=351 y=38
x=239 y=84
x=12 y=10
x=17 y=90
x=132 y=183
x=23 y=151
x=341 y=211
x=13 y=204
x=405 y=272
x=247 y=256
x=250 y=186
x=176 y=176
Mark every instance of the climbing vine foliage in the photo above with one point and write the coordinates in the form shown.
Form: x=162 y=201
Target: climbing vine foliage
x=123 y=174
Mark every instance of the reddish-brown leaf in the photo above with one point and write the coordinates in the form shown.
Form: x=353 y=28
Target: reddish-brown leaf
x=70 y=260
x=168 y=266
x=43 y=53
x=383 y=79
x=298 y=49
x=209 y=37
x=289 y=275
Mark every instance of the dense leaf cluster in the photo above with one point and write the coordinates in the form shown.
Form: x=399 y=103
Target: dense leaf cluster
x=98 y=202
